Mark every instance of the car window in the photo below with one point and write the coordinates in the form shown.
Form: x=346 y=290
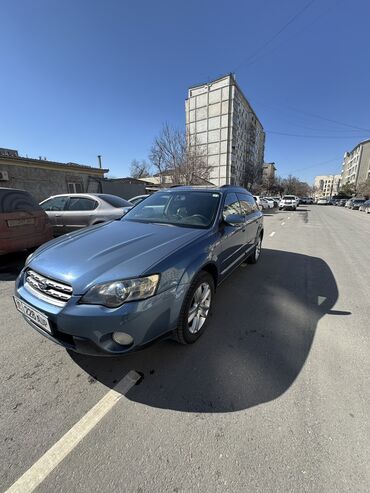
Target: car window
x=247 y=203
x=56 y=204
x=115 y=201
x=190 y=209
x=81 y=204
x=17 y=201
x=231 y=205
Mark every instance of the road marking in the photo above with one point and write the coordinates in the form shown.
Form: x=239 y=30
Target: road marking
x=32 y=478
x=282 y=224
x=272 y=234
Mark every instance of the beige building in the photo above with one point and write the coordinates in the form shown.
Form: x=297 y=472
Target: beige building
x=221 y=121
x=327 y=185
x=268 y=171
x=43 y=178
x=356 y=164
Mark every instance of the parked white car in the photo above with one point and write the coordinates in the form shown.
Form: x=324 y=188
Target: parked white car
x=270 y=202
x=289 y=202
x=261 y=202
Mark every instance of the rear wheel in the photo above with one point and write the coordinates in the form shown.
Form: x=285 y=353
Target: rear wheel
x=256 y=252
x=196 y=309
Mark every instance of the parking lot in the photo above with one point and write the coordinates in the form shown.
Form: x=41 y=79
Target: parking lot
x=273 y=397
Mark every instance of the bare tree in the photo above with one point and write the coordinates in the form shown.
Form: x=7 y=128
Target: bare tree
x=179 y=157
x=139 y=169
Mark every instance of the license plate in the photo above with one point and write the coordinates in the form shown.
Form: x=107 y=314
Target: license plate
x=35 y=316
x=13 y=223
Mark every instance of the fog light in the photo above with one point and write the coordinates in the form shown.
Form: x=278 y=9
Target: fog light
x=122 y=338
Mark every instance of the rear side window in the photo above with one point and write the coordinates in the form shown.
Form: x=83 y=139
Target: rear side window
x=247 y=203
x=17 y=201
x=115 y=201
x=56 y=204
x=81 y=204
x=231 y=205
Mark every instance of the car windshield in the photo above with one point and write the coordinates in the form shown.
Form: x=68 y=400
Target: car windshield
x=288 y=197
x=17 y=201
x=191 y=209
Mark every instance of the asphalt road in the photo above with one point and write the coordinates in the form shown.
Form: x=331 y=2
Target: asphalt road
x=274 y=397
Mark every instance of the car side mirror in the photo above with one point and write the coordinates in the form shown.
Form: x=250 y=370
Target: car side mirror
x=234 y=219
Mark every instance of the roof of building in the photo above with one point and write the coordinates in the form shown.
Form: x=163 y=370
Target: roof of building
x=233 y=81
x=26 y=160
x=357 y=145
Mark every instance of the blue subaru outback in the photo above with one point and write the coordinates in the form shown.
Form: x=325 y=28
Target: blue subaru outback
x=115 y=287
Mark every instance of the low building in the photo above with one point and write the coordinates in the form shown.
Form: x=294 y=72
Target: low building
x=356 y=165
x=326 y=185
x=128 y=187
x=43 y=178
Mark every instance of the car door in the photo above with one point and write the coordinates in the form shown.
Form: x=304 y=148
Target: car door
x=231 y=247
x=54 y=208
x=252 y=218
x=78 y=213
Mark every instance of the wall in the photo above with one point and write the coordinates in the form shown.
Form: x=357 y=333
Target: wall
x=364 y=168
x=43 y=182
x=122 y=189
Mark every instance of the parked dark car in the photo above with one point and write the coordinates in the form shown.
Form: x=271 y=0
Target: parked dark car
x=355 y=203
x=115 y=287
x=364 y=206
x=70 y=212
x=23 y=223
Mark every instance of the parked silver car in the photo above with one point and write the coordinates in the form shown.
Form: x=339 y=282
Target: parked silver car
x=69 y=212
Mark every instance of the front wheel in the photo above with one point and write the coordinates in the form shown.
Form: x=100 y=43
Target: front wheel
x=256 y=252
x=196 y=309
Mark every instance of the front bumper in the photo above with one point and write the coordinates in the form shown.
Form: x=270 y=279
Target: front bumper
x=88 y=329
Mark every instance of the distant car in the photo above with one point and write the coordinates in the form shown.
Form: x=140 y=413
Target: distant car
x=363 y=206
x=348 y=203
x=139 y=198
x=270 y=202
x=261 y=203
x=367 y=207
x=288 y=202
x=322 y=201
x=355 y=204
x=23 y=223
x=342 y=202
x=69 y=212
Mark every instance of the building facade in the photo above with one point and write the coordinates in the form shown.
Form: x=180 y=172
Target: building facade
x=356 y=164
x=268 y=171
x=43 y=178
x=327 y=185
x=222 y=123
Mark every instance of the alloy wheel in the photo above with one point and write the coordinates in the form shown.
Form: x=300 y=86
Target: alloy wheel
x=199 y=307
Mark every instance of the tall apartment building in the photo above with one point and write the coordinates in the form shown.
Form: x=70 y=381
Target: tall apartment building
x=327 y=185
x=220 y=120
x=356 y=164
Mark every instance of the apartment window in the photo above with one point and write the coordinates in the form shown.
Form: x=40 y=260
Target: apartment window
x=74 y=187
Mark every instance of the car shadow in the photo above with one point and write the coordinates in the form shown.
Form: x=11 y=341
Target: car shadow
x=11 y=265
x=258 y=339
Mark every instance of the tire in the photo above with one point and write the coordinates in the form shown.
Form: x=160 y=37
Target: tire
x=188 y=332
x=256 y=252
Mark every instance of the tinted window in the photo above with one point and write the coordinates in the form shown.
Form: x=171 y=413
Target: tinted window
x=56 y=204
x=183 y=208
x=247 y=203
x=231 y=205
x=115 y=201
x=17 y=201
x=81 y=204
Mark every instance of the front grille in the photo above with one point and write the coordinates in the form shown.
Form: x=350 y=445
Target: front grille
x=54 y=292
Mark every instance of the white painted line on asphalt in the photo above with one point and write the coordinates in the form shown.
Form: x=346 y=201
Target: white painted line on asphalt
x=32 y=478
x=272 y=234
x=282 y=224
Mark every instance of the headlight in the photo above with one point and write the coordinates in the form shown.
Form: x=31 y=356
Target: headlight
x=114 y=294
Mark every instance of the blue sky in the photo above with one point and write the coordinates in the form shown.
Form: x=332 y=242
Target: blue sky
x=88 y=77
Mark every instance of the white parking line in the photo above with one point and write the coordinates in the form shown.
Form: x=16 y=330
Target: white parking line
x=282 y=224
x=49 y=461
x=272 y=234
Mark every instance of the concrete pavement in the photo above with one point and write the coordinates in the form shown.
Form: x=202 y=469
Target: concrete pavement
x=274 y=396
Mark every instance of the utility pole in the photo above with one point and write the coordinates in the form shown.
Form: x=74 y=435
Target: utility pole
x=99 y=159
